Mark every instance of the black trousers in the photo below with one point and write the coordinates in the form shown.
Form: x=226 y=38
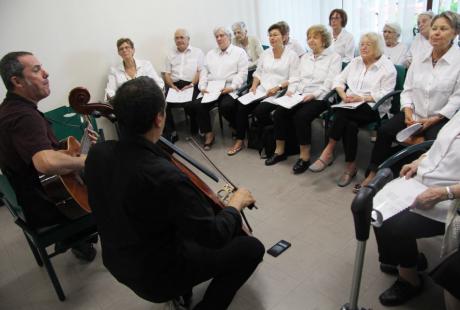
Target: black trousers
x=346 y=125
x=170 y=125
x=227 y=106
x=397 y=237
x=242 y=121
x=303 y=115
x=228 y=267
x=387 y=134
x=262 y=113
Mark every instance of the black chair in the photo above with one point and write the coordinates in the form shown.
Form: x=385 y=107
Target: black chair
x=63 y=236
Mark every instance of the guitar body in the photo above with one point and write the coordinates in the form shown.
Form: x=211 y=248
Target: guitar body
x=58 y=188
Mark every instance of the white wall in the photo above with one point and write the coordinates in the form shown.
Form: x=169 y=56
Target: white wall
x=75 y=39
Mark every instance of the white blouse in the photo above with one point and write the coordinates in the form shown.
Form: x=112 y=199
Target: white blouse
x=230 y=65
x=377 y=81
x=253 y=49
x=397 y=54
x=184 y=65
x=272 y=72
x=118 y=76
x=430 y=91
x=344 y=45
x=316 y=75
x=295 y=46
x=419 y=46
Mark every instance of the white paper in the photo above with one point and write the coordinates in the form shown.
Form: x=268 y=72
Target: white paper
x=397 y=196
x=407 y=132
x=289 y=102
x=250 y=96
x=214 y=89
x=179 y=96
x=352 y=106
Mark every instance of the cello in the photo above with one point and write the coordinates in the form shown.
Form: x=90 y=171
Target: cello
x=79 y=99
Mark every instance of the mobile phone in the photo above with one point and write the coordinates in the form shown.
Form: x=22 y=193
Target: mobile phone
x=278 y=248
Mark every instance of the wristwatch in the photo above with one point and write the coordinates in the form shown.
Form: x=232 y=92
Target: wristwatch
x=280 y=86
x=450 y=195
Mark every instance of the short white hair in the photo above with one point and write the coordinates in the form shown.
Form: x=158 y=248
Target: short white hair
x=430 y=14
x=184 y=31
x=376 y=39
x=395 y=27
x=239 y=25
x=223 y=29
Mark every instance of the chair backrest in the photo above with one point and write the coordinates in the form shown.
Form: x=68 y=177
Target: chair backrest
x=66 y=122
x=400 y=78
x=265 y=46
x=8 y=197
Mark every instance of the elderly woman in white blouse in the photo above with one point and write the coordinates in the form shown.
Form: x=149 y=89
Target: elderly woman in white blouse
x=129 y=68
x=369 y=77
x=250 y=44
x=228 y=64
x=421 y=44
x=317 y=71
x=342 y=41
x=431 y=94
x=396 y=51
x=276 y=67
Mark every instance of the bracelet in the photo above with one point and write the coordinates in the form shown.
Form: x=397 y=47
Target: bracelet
x=450 y=195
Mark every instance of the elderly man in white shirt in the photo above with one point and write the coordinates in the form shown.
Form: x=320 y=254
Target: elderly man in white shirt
x=431 y=214
x=369 y=78
x=342 y=41
x=317 y=71
x=128 y=69
x=394 y=50
x=228 y=64
x=276 y=67
x=182 y=71
x=431 y=94
x=421 y=44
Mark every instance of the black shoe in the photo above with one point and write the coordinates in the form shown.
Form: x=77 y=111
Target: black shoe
x=84 y=251
x=400 y=292
x=422 y=265
x=275 y=158
x=300 y=166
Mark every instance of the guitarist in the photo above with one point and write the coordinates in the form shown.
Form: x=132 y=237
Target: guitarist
x=28 y=146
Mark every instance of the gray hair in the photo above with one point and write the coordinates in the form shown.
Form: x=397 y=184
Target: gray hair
x=376 y=39
x=452 y=18
x=223 y=29
x=395 y=27
x=430 y=14
x=11 y=66
x=239 y=25
x=184 y=31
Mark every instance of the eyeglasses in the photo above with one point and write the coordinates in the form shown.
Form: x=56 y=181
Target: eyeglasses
x=336 y=17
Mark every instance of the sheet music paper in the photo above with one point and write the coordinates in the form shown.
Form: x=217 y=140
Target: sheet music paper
x=289 y=102
x=214 y=89
x=407 y=132
x=351 y=106
x=179 y=96
x=397 y=196
x=250 y=96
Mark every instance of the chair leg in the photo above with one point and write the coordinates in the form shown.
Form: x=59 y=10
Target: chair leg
x=34 y=251
x=51 y=273
x=221 y=123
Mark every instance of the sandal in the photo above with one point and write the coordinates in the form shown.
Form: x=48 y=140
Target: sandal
x=207 y=146
x=346 y=178
x=319 y=165
x=356 y=188
x=233 y=150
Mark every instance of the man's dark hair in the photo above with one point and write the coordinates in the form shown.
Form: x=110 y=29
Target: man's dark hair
x=10 y=66
x=137 y=103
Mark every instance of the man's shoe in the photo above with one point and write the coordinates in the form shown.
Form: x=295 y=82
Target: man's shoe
x=400 y=292
x=422 y=265
x=300 y=166
x=275 y=158
x=84 y=251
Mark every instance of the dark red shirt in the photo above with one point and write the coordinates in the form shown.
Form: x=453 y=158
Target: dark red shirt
x=24 y=131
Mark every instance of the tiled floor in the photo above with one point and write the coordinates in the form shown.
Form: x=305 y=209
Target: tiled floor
x=308 y=210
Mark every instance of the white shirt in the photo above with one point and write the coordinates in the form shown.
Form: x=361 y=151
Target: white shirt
x=397 y=54
x=253 y=49
x=118 y=76
x=441 y=166
x=272 y=72
x=295 y=46
x=184 y=65
x=419 y=46
x=230 y=65
x=377 y=81
x=344 y=45
x=316 y=75
x=430 y=91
